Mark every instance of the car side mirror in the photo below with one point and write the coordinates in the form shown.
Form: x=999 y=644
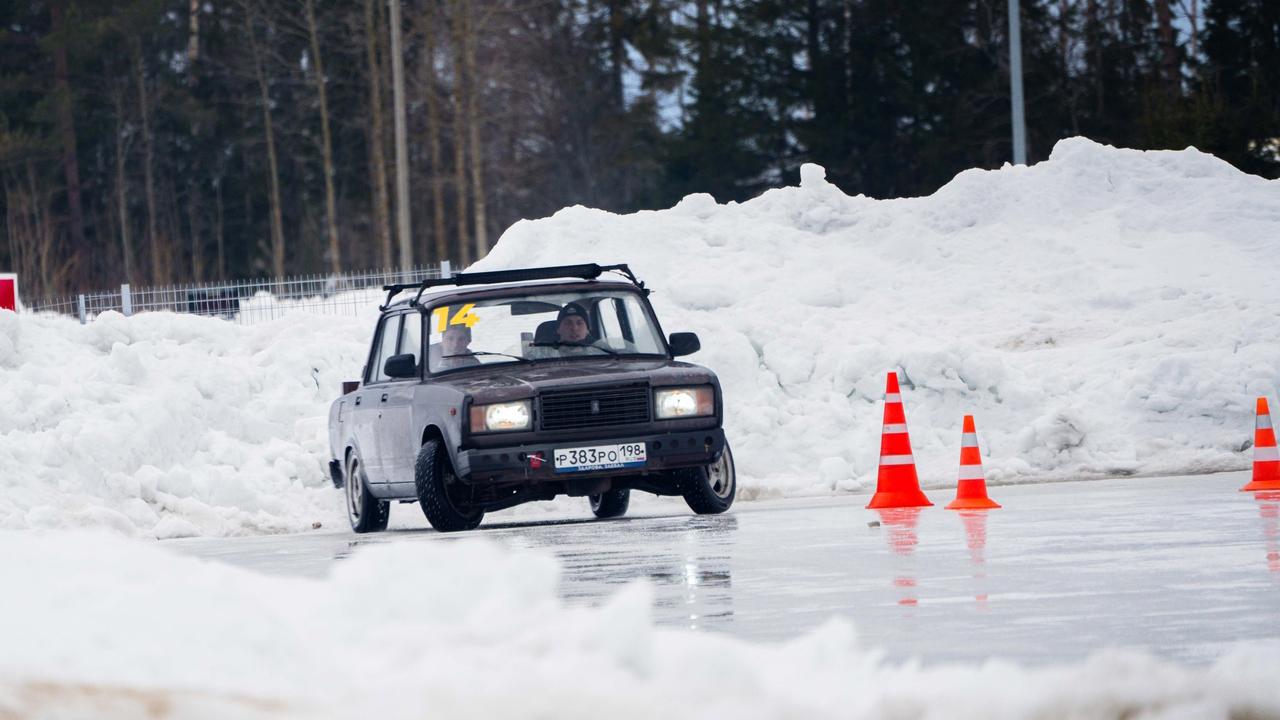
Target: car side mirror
x=401 y=366
x=684 y=343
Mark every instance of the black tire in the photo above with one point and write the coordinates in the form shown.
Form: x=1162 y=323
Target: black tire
x=610 y=503
x=365 y=512
x=710 y=490
x=434 y=480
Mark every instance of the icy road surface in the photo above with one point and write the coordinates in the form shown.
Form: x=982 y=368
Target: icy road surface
x=1184 y=567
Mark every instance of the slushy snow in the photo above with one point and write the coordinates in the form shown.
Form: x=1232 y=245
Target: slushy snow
x=1105 y=312
x=106 y=627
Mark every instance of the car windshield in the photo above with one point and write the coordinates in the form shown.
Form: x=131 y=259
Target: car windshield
x=542 y=326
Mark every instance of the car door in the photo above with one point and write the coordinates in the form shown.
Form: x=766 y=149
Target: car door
x=367 y=406
x=396 y=431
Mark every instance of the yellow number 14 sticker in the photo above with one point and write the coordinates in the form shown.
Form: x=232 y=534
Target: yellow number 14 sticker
x=464 y=316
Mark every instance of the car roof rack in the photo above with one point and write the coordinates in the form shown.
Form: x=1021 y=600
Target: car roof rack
x=589 y=271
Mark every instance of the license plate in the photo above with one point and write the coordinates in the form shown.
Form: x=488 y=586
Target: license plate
x=600 y=457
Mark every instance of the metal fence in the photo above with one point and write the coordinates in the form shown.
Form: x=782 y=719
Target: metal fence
x=246 y=301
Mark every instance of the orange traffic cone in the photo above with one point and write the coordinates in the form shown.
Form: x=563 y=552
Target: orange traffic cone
x=897 y=485
x=971 y=493
x=1266 y=458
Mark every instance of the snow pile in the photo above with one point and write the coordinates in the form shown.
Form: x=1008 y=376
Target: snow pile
x=168 y=425
x=101 y=622
x=1106 y=312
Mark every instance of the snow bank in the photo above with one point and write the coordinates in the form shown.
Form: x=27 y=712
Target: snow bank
x=168 y=425
x=1104 y=312
x=388 y=635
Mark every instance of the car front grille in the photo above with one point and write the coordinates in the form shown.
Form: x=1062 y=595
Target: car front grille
x=594 y=407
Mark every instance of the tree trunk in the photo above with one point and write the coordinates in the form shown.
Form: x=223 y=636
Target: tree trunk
x=1169 y=52
x=193 y=39
x=440 y=243
x=193 y=221
x=459 y=138
x=377 y=136
x=122 y=200
x=159 y=263
x=218 y=228
x=472 y=86
x=67 y=134
x=330 y=203
x=277 y=223
x=617 y=53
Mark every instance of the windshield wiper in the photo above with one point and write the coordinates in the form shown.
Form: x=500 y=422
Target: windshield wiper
x=559 y=344
x=486 y=352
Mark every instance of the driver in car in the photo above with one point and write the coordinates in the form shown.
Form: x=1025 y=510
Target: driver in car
x=572 y=326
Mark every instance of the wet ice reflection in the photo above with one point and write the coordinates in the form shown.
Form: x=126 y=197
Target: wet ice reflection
x=903 y=538
x=1269 y=509
x=975 y=535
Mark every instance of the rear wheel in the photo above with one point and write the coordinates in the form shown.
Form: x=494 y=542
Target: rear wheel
x=710 y=490
x=611 y=503
x=439 y=491
x=365 y=512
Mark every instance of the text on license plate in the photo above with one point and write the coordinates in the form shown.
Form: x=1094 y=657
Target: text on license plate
x=601 y=457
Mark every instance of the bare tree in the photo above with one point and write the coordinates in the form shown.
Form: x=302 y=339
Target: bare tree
x=67 y=131
x=330 y=203
x=472 y=89
x=459 y=134
x=121 y=182
x=159 y=250
x=377 y=134
x=277 y=222
x=429 y=20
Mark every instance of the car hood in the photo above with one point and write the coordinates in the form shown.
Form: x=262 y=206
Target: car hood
x=525 y=380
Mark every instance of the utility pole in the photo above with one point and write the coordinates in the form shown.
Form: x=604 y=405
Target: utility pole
x=1015 y=85
x=402 y=150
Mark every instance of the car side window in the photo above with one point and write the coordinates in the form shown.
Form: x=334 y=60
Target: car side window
x=411 y=338
x=389 y=334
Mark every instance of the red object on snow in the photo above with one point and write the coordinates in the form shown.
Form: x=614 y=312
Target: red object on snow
x=9 y=293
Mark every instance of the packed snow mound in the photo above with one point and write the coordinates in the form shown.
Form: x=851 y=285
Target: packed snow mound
x=104 y=624
x=166 y=425
x=1105 y=312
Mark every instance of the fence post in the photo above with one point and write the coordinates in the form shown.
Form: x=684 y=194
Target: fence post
x=126 y=300
x=446 y=269
x=80 y=304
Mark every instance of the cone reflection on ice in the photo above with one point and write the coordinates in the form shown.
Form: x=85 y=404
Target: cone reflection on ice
x=901 y=524
x=897 y=485
x=1266 y=457
x=971 y=492
x=975 y=535
x=1269 y=509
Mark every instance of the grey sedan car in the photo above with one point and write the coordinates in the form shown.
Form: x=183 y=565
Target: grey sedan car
x=483 y=391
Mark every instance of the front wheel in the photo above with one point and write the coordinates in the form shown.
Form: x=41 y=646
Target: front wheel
x=439 y=491
x=710 y=490
x=611 y=503
x=365 y=512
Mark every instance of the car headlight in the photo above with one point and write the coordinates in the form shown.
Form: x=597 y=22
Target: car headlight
x=501 y=416
x=685 y=402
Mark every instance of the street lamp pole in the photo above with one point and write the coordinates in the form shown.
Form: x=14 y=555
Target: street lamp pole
x=402 y=150
x=1015 y=85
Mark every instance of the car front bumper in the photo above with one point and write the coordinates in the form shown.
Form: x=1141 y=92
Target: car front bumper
x=533 y=463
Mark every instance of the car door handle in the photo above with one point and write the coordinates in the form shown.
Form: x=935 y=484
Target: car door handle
x=384 y=397
x=359 y=398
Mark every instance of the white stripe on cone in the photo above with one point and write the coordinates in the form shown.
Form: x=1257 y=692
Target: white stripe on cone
x=894 y=430
x=1266 y=454
x=1264 y=422
x=969 y=440
x=971 y=472
x=897 y=460
x=893 y=397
